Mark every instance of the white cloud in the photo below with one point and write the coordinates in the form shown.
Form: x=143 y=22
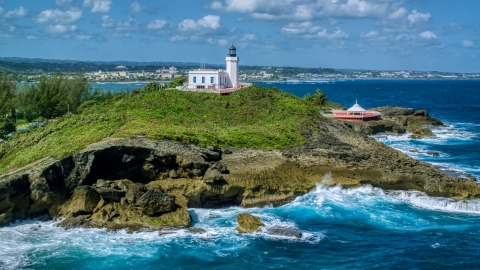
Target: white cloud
x=136 y=7
x=452 y=29
x=467 y=43
x=62 y=2
x=31 y=37
x=1 y=11
x=120 y=27
x=5 y=35
x=417 y=18
x=157 y=24
x=300 y=28
x=398 y=14
x=249 y=37
x=207 y=22
x=428 y=35
x=324 y=34
x=311 y=31
x=210 y=21
x=98 y=6
x=12 y=28
x=216 y=5
x=58 y=16
x=60 y=29
x=16 y=13
x=370 y=35
x=128 y=24
x=220 y=42
x=107 y=22
x=306 y=10
x=83 y=37
x=178 y=38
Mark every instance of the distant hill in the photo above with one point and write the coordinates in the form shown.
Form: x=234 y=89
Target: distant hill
x=35 y=65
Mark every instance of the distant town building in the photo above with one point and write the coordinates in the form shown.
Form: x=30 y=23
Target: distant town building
x=217 y=79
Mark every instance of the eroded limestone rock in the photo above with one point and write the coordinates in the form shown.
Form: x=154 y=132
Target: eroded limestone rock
x=155 y=202
x=248 y=223
x=419 y=133
x=83 y=202
x=283 y=231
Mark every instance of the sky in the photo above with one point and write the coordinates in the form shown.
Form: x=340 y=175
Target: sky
x=423 y=35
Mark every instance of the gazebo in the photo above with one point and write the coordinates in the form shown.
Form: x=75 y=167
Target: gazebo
x=355 y=113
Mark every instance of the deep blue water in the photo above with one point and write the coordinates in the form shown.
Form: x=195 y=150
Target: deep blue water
x=455 y=102
x=342 y=229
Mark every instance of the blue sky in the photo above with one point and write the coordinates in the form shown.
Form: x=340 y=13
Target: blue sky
x=428 y=35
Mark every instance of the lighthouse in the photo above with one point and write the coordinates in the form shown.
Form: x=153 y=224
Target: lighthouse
x=232 y=67
x=214 y=79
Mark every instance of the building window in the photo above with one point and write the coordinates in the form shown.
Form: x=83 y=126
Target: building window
x=194 y=79
x=203 y=79
x=212 y=80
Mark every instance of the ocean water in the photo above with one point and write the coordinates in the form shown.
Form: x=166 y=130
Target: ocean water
x=455 y=102
x=356 y=228
x=118 y=86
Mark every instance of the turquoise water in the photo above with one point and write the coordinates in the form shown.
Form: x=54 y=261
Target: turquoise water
x=118 y=87
x=342 y=229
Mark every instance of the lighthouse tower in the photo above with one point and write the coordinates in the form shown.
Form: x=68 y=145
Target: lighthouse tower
x=232 y=67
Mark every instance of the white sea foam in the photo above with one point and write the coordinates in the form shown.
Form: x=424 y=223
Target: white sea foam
x=28 y=244
x=367 y=196
x=442 y=134
x=222 y=223
x=426 y=147
x=420 y=199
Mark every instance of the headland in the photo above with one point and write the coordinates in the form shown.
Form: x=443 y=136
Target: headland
x=140 y=160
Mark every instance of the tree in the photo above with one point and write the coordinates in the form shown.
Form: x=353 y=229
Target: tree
x=151 y=87
x=54 y=96
x=317 y=98
x=178 y=81
x=7 y=94
x=6 y=126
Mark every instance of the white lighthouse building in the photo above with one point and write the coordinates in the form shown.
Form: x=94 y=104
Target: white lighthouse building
x=217 y=79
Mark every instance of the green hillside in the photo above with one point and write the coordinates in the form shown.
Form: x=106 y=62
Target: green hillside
x=253 y=117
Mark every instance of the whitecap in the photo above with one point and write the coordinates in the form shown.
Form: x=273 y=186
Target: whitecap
x=421 y=200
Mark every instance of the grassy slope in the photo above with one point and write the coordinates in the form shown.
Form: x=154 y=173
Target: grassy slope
x=253 y=117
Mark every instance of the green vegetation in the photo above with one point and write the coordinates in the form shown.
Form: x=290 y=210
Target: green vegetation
x=6 y=126
x=252 y=117
x=333 y=105
x=317 y=98
x=178 y=81
x=50 y=97
x=55 y=96
x=7 y=105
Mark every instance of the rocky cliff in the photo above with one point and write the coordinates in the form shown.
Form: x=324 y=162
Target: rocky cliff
x=143 y=183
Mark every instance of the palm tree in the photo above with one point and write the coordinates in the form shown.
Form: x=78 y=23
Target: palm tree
x=318 y=98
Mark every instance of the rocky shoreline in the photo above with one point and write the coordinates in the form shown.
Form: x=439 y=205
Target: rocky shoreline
x=138 y=183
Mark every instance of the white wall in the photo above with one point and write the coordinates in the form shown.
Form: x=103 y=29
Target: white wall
x=232 y=70
x=208 y=74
